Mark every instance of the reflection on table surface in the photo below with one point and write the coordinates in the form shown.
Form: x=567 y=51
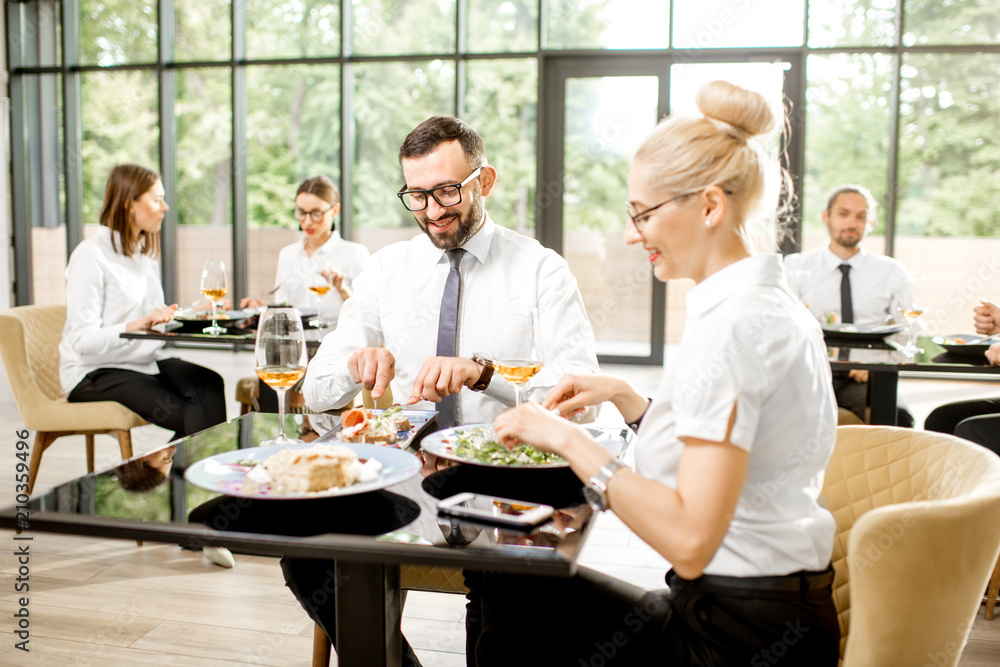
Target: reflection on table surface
x=887 y=353
x=405 y=512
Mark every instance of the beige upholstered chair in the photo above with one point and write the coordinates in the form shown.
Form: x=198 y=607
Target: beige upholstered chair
x=29 y=345
x=917 y=516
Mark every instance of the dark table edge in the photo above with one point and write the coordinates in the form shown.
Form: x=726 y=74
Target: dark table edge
x=347 y=547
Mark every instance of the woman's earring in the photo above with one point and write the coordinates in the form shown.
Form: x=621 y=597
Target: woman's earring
x=708 y=222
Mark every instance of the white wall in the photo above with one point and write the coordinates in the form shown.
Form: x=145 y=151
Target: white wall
x=6 y=249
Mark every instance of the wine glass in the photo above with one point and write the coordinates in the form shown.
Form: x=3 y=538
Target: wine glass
x=319 y=284
x=213 y=286
x=517 y=357
x=280 y=358
x=911 y=308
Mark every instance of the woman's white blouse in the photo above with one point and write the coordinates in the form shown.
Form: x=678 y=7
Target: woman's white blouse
x=749 y=343
x=106 y=290
x=295 y=269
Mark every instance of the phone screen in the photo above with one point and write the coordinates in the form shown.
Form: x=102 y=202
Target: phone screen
x=495 y=510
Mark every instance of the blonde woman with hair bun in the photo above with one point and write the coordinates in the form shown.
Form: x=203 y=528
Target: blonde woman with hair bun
x=730 y=451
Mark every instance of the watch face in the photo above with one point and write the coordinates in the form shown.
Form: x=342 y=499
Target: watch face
x=594 y=498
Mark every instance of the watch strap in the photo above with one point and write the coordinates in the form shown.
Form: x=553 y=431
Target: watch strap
x=486 y=376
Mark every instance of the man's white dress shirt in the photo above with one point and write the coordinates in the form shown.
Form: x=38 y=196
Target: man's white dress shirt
x=295 y=269
x=397 y=301
x=879 y=284
x=748 y=343
x=105 y=290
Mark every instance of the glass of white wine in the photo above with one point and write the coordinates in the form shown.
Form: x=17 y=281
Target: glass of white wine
x=214 y=287
x=280 y=357
x=319 y=284
x=517 y=357
x=911 y=309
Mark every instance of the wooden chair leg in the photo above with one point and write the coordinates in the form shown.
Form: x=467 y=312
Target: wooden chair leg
x=42 y=442
x=90 y=452
x=125 y=443
x=321 y=648
x=991 y=592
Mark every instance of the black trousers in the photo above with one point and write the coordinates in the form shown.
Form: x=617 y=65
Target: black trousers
x=592 y=620
x=183 y=397
x=853 y=396
x=977 y=420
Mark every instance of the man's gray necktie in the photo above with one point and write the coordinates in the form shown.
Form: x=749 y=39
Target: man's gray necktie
x=447 y=339
x=846 y=303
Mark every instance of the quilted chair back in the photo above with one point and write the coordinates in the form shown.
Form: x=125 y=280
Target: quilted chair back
x=918 y=533
x=29 y=338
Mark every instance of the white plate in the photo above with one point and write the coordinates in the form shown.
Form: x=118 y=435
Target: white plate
x=223 y=474
x=442 y=443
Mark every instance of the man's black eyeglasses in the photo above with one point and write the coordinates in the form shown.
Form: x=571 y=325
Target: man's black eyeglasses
x=444 y=195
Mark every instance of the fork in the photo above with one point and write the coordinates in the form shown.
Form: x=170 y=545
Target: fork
x=264 y=294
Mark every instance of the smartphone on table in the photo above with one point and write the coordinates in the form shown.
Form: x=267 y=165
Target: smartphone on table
x=496 y=511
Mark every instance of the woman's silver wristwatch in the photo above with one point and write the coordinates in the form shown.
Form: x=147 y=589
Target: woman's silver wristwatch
x=595 y=491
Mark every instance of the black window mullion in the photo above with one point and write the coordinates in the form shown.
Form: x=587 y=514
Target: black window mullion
x=20 y=196
x=239 y=151
x=72 y=124
x=347 y=137
x=168 y=149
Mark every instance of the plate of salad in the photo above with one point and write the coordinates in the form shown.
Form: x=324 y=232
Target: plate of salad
x=477 y=444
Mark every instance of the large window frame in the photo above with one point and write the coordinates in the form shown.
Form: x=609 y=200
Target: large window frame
x=50 y=26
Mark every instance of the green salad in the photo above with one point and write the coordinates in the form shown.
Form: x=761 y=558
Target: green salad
x=479 y=445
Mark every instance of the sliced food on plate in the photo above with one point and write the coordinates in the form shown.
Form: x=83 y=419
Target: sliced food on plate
x=314 y=469
x=364 y=425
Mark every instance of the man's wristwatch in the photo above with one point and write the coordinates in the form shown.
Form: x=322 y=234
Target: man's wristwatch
x=595 y=491
x=484 y=378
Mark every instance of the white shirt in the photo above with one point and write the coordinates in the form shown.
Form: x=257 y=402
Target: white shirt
x=105 y=290
x=748 y=342
x=397 y=302
x=879 y=284
x=295 y=268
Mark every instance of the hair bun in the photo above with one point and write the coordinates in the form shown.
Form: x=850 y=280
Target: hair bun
x=746 y=112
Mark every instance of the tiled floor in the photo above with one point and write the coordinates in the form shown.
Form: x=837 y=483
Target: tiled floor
x=105 y=602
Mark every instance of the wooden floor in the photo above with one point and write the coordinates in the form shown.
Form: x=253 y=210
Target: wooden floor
x=110 y=602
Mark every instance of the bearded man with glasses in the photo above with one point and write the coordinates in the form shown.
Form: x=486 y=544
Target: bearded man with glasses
x=428 y=314
x=393 y=331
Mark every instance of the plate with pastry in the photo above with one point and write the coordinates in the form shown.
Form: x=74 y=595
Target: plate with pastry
x=304 y=470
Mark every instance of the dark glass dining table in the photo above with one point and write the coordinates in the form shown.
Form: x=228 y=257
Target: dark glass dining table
x=366 y=537
x=238 y=339
x=884 y=360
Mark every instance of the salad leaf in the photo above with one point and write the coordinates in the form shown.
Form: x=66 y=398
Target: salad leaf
x=479 y=444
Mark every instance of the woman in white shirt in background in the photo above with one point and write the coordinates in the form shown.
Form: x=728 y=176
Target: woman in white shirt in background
x=730 y=452
x=113 y=285
x=319 y=251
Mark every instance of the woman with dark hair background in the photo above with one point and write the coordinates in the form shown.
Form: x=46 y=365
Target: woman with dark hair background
x=113 y=285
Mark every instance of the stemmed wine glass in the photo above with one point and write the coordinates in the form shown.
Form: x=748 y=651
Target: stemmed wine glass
x=518 y=357
x=911 y=309
x=280 y=358
x=213 y=286
x=319 y=284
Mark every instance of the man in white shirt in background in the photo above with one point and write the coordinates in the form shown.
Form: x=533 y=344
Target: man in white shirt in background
x=867 y=291
x=429 y=314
